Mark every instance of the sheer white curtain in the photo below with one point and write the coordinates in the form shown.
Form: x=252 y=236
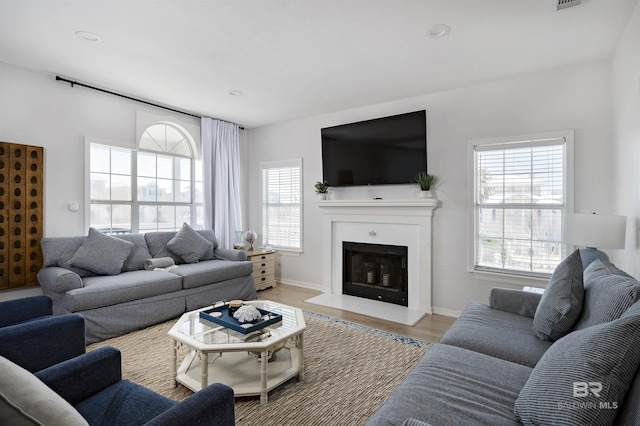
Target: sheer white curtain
x=221 y=163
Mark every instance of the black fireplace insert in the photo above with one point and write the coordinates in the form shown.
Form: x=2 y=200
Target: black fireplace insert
x=375 y=271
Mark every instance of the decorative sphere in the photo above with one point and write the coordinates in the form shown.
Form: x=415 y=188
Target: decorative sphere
x=250 y=236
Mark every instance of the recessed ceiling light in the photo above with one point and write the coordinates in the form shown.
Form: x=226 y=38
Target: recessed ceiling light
x=439 y=30
x=235 y=93
x=87 y=36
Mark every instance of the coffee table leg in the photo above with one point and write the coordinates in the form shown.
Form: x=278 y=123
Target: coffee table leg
x=300 y=346
x=264 y=360
x=204 y=369
x=173 y=363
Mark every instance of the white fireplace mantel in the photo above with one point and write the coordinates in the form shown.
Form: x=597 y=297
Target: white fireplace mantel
x=404 y=222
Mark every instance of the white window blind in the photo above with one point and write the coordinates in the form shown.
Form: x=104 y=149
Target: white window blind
x=520 y=197
x=281 y=204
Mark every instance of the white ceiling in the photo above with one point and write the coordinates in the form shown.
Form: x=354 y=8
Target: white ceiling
x=299 y=58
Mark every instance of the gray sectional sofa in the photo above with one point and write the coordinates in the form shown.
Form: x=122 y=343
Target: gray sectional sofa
x=568 y=357
x=104 y=279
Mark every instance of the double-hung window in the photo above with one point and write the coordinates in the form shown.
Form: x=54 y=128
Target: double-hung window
x=282 y=204
x=522 y=189
x=156 y=187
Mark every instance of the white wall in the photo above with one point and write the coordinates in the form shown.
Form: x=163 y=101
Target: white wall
x=35 y=109
x=576 y=98
x=625 y=85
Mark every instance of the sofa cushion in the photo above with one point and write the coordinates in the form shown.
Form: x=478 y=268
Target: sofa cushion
x=157 y=243
x=212 y=271
x=124 y=403
x=101 y=291
x=25 y=400
x=609 y=292
x=58 y=251
x=561 y=302
x=514 y=341
x=455 y=386
x=190 y=246
x=630 y=413
x=584 y=377
x=102 y=254
x=139 y=252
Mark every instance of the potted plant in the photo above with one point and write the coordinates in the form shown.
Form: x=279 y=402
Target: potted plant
x=425 y=182
x=322 y=189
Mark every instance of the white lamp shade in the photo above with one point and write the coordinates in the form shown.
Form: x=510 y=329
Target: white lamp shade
x=595 y=230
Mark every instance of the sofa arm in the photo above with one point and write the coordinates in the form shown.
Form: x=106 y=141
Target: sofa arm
x=59 y=280
x=36 y=345
x=229 y=254
x=518 y=302
x=213 y=405
x=78 y=378
x=28 y=308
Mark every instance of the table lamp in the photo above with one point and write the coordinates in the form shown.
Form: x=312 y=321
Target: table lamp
x=594 y=231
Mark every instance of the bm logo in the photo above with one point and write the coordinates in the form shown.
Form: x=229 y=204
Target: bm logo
x=583 y=389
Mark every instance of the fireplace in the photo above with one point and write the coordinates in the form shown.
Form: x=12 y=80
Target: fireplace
x=378 y=222
x=375 y=271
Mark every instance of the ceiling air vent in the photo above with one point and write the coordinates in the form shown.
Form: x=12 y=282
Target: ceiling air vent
x=564 y=4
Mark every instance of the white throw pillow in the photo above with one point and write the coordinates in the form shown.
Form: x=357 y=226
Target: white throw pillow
x=25 y=400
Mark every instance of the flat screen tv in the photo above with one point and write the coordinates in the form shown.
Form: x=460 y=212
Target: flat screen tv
x=383 y=151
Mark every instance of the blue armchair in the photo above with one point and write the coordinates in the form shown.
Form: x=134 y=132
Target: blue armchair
x=26 y=309
x=75 y=386
x=92 y=383
x=34 y=339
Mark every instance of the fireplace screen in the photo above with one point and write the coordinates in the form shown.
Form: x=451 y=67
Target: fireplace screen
x=375 y=271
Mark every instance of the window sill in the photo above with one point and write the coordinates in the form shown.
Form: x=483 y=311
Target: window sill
x=510 y=279
x=288 y=252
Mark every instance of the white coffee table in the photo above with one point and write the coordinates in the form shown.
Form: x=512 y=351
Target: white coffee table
x=252 y=364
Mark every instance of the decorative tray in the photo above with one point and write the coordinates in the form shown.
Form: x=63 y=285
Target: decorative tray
x=229 y=321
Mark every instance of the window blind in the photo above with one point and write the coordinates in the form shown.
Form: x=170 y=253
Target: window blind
x=281 y=205
x=520 y=200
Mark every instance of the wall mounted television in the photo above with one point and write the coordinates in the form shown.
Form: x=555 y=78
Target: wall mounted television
x=383 y=151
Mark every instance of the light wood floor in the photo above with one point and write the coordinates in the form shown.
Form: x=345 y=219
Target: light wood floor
x=430 y=328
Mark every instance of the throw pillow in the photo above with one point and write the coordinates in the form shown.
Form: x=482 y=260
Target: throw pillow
x=25 y=400
x=101 y=254
x=583 y=378
x=189 y=245
x=609 y=292
x=561 y=302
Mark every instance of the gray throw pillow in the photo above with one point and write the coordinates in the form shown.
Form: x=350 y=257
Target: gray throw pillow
x=583 y=378
x=139 y=252
x=189 y=245
x=25 y=400
x=101 y=254
x=609 y=292
x=561 y=302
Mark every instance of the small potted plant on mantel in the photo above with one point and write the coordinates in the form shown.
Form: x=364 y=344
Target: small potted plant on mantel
x=322 y=189
x=425 y=182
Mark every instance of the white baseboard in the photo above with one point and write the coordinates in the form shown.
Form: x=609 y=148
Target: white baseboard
x=446 y=312
x=302 y=284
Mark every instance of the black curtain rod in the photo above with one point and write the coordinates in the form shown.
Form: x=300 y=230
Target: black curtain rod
x=76 y=83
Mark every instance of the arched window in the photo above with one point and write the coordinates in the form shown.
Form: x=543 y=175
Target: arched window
x=155 y=188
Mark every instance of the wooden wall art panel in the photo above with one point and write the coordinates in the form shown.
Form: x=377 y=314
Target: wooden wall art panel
x=21 y=209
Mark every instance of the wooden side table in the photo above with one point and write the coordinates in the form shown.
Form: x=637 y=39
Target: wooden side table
x=264 y=267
